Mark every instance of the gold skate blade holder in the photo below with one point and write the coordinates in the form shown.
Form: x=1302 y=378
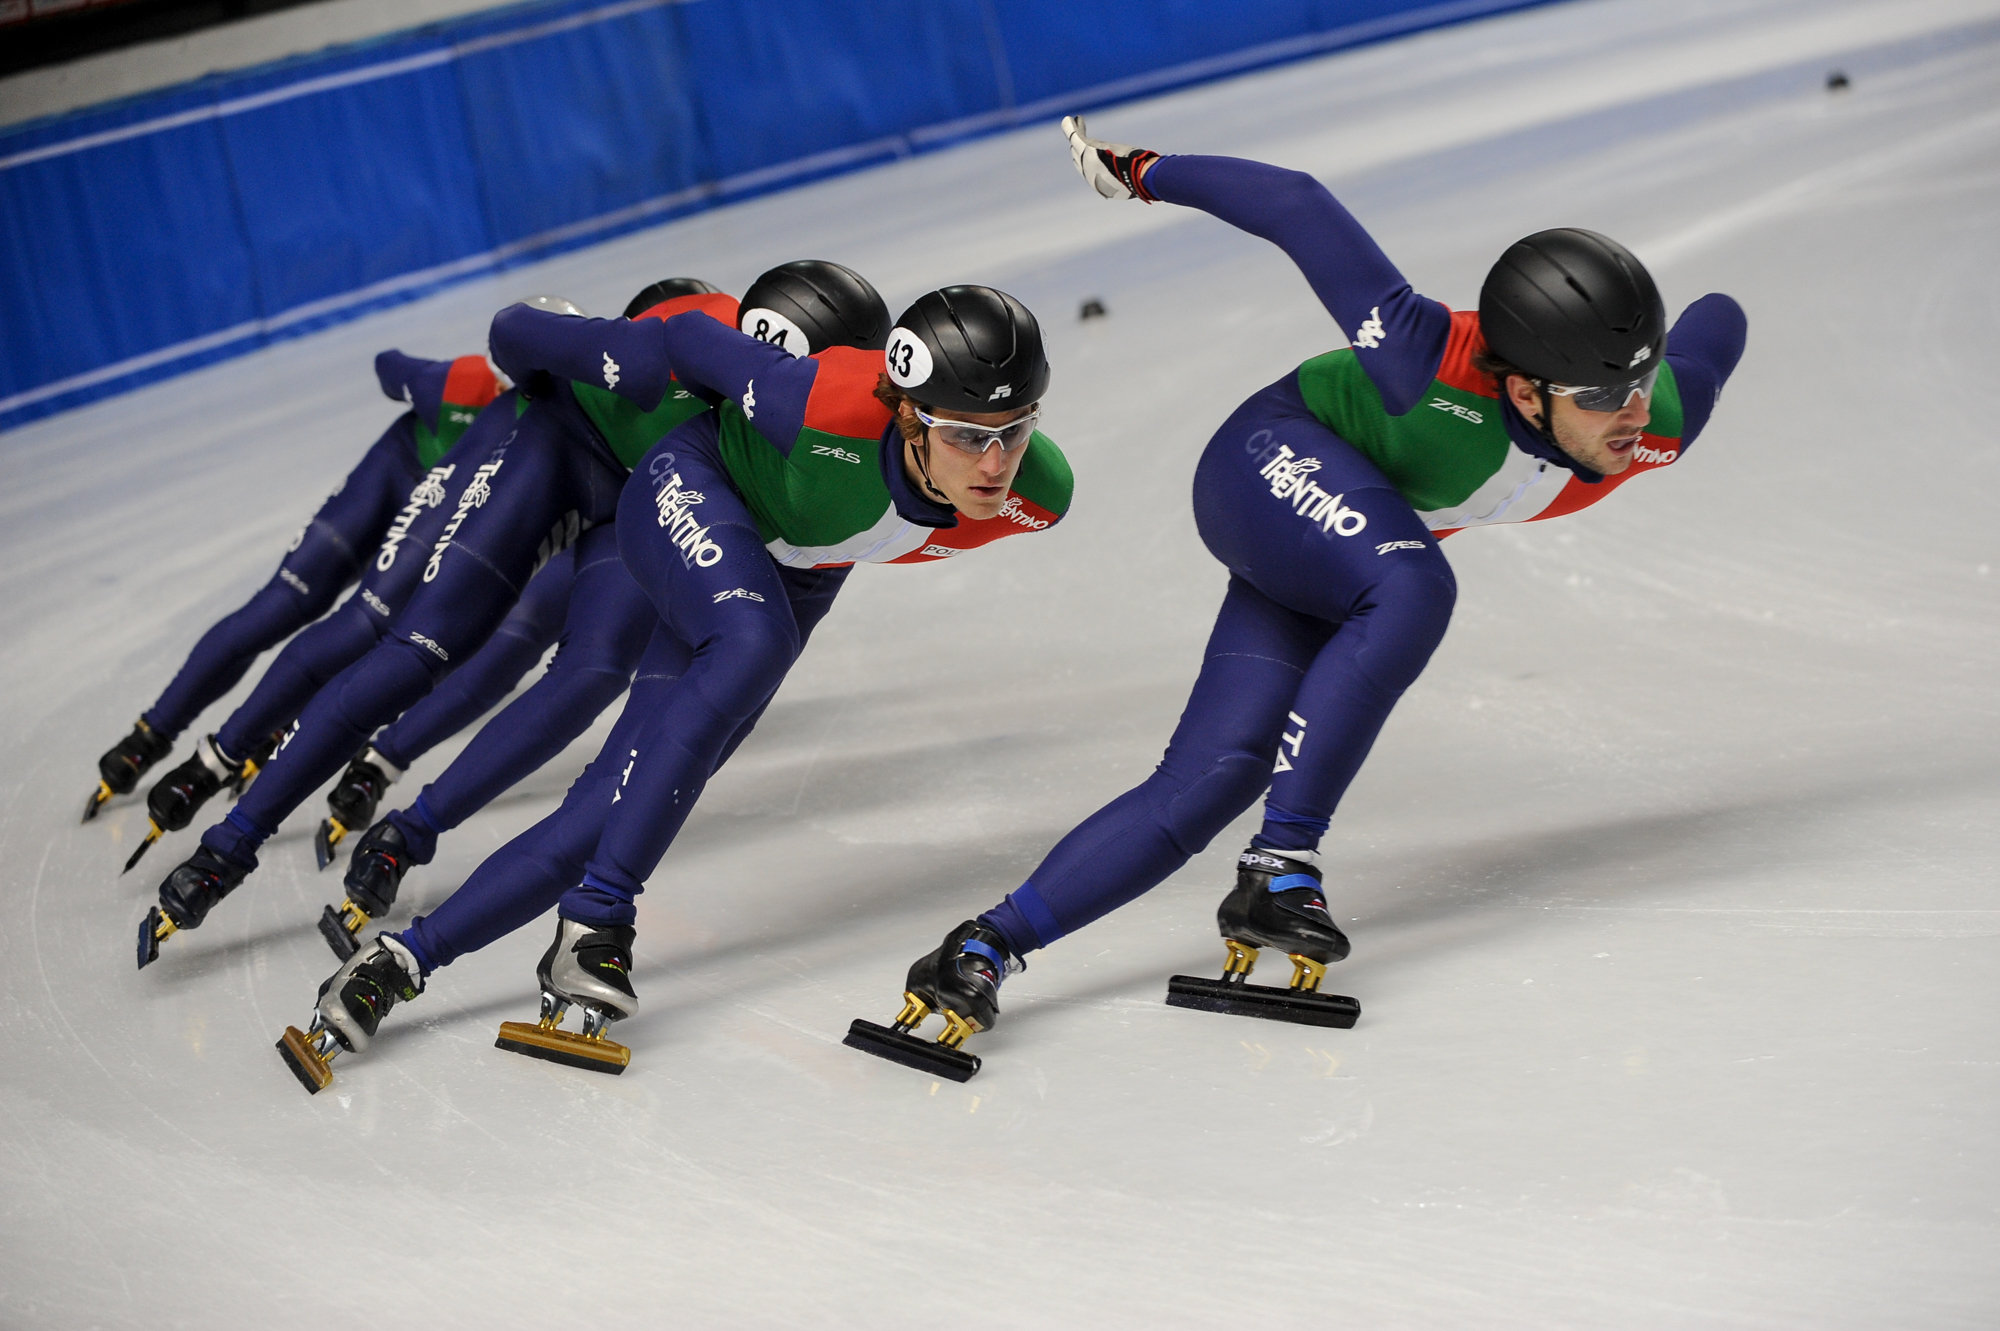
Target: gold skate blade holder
x=912 y=1013
x=1242 y=960
x=1306 y=973
x=342 y=928
x=956 y=1029
x=306 y=1062
x=546 y=1040
x=98 y=799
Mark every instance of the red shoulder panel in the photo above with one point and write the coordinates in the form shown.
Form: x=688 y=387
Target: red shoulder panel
x=1017 y=515
x=712 y=303
x=1464 y=342
x=470 y=382
x=843 y=399
x=1654 y=452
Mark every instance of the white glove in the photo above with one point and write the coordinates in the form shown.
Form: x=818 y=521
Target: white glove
x=1114 y=170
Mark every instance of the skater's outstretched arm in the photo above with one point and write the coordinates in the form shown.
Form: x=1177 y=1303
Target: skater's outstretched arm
x=630 y=357
x=1398 y=336
x=1704 y=346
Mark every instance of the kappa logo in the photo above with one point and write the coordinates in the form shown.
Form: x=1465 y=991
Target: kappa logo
x=611 y=369
x=1449 y=407
x=941 y=551
x=736 y=594
x=1291 y=479
x=1660 y=455
x=430 y=645
x=683 y=528
x=428 y=494
x=294 y=580
x=830 y=451
x=631 y=761
x=750 y=400
x=1372 y=333
x=1387 y=546
x=1011 y=510
x=1293 y=740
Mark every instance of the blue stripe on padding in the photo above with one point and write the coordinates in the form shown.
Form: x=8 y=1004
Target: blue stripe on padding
x=1292 y=880
x=986 y=951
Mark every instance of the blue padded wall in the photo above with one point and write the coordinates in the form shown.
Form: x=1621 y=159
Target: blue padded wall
x=151 y=235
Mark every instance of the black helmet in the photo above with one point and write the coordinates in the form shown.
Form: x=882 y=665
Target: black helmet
x=808 y=305
x=1573 y=307
x=667 y=289
x=969 y=349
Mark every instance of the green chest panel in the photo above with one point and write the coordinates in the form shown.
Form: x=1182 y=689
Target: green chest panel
x=829 y=489
x=630 y=432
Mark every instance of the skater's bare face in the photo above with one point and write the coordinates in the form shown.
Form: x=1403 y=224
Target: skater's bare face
x=1600 y=440
x=974 y=484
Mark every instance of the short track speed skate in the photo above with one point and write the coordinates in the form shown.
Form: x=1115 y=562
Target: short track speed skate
x=374 y=872
x=351 y=803
x=178 y=796
x=592 y=968
x=186 y=897
x=351 y=1007
x=119 y=770
x=1277 y=902
x=961 y=980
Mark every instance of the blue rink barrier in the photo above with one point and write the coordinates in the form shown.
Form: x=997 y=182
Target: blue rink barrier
x=145 y=237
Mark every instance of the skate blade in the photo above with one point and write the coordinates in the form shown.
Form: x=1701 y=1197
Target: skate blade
x=304 y=1061
x=333 y=928
x=144 y=846
x=152 y=929
x=98 y=799
x=330 y=834
x=565 y=1047
x=1259 y=1000
x=912 y=1051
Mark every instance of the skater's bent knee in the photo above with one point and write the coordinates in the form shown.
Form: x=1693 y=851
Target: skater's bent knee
x=1204 y=806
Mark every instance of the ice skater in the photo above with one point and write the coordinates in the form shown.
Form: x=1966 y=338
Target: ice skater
x=326 y=557
x=741 y=528
x=802 y=306
x=1325 y=496
x=550 y=482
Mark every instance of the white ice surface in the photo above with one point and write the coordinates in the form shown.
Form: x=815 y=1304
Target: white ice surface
x=1670 y=882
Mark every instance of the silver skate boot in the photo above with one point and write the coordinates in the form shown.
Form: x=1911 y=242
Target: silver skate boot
x=351 y=1007
x=592 y=968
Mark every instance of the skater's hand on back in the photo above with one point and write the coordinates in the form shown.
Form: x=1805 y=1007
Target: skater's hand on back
x=1114 y=170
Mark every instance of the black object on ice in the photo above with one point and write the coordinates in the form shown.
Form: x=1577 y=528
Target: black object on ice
x=911 y=1051
x=1093 y=309
x=1307 y=1007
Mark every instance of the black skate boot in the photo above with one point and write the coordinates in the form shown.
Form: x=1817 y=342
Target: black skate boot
x=119 y=770
x=1277 y=902
x=351 y=803
x=178 y=796
x=187 y=896
x=375 y=871
x=351 y=1007
x=592 y=968
x=961 y=980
